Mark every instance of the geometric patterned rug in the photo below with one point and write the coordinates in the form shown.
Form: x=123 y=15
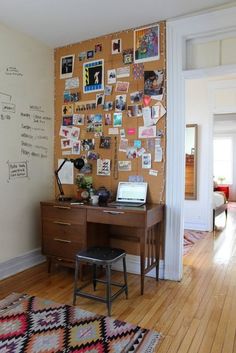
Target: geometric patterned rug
x=190 y=238
x=33 y=325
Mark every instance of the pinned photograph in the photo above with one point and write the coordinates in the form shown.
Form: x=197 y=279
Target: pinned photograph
x=90 y=54
x=153 y=83
x=136 y=97
x=147 y=131
x=122 y=86
x=147 y=44
x=98 y=48
x=66 y=143
x=85 y=105
x=116 y=46
x=134 y=110
x=107 y=119
x=87 y=145
x=108 y=90
x=124 y=166
x=75 y=132
x=124 y=143
x=99 y=99
x=67 y=120
x=71 y=83
x=78 y=119
x=82 y=56
x=131 y=153
x=120 y=102
x=65 y=131
x=108 y=105
x=123 y=72
x=111 y=76
x=105 y=142
x=67 y=109
x=103 y=167
x=146 y=160
x=117 y=119
x=93 y=76
x=128 y=56
x=76 y=147
x=67 y=66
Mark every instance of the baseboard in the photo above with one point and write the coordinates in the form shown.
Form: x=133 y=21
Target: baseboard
x=196 y=226
x=34 y=257
x=133 y=266
x=21 y=263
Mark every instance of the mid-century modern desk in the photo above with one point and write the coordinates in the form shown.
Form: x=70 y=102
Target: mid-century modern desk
x=68 y=228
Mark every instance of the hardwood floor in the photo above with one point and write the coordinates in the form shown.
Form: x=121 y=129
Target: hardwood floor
x=196 y=315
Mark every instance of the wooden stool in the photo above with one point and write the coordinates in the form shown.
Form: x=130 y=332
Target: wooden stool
x=101 y=256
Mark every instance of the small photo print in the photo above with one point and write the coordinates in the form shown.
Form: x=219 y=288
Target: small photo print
x=78 y=119
x=103 y=167
x=131 y=153
x=108 y=106
x=82 y=56
x=90 y=54
x=111 y=76
x=116 y=46
x=67 y=120
x=134 y=110
x=153 y=83
x=75 y=132
x=136 y=97
x=76 y=147
x=67 y=109
x=99 y=99
x=93 y=76
x=66 y=143
x=146 y=44
x=87 y=145
x=105 y=142
x=147 y=131
x=65 y=131
x=128 y=56
x=146 y=160
x=98 y=48
x=117 y=119
x=120 y=102
x=108 y=90
x=124 y=166
x=124 y=143
x=122 y=86
x=107 y=119
x=67 y=66
x=122 y=72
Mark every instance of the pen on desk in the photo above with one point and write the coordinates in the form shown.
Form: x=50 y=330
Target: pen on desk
x=77 y=203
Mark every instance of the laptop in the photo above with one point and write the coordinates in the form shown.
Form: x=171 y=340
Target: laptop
x=130 y=194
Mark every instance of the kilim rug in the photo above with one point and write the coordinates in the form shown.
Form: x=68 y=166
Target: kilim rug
x=33 y=325
x=191 y=237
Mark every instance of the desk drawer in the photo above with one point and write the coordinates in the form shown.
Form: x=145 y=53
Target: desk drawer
x=65 y=230
x=65 y=213
x=61 y=248
x=116 y=217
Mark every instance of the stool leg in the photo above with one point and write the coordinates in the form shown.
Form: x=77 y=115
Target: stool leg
x=94 y=276
x=108 y=279
x=125 y=277
x=75 y=280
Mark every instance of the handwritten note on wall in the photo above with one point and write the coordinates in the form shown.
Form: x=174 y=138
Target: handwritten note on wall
x=17 y=170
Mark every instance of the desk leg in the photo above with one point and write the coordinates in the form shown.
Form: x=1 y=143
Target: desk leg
x=158 y=248
x=143 y=238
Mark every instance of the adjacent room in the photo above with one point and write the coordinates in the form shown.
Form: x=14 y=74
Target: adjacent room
x=123 y=129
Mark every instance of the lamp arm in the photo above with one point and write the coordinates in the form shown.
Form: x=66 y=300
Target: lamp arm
x=58 y=179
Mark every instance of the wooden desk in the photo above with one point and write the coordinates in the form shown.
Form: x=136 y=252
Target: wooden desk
x=79 y=226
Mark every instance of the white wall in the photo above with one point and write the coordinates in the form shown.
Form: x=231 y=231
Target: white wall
x=197 y=112
x=26 y=141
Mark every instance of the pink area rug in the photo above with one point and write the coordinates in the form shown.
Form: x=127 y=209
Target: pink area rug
x=191 y=237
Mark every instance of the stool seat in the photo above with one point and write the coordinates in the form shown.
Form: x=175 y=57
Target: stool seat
x=102 y=256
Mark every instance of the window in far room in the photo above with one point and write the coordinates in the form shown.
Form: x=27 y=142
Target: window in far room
x=223 y=160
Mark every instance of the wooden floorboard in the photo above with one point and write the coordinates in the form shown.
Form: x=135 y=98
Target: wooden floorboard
x=196 y=315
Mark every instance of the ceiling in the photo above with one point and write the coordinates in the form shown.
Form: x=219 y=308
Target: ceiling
x=61 y=22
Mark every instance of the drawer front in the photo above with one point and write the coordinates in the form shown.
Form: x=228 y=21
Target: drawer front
x=116 y=217
x=60 y=248
x=64 y=230
x=65 y=213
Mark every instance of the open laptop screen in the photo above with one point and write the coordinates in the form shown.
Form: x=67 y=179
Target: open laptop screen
x=131 y=192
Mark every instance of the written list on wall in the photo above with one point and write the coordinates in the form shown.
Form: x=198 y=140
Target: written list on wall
x=84 y=122
x=33 y=133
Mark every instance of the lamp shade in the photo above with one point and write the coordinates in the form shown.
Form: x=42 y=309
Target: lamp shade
x=78 y=163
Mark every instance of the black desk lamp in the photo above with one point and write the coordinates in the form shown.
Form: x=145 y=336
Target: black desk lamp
x=78 y=164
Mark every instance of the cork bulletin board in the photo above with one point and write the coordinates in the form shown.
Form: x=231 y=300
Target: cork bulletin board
x=110 y=98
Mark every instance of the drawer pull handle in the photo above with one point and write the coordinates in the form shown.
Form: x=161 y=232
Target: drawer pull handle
x=62 y=207
x=62 y=240
x=62 y=223
x=113 y=212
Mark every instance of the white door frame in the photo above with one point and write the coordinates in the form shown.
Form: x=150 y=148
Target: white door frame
x=178 y=32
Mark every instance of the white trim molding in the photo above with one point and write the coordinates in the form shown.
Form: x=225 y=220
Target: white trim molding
x=21 y=263
x=178 y=32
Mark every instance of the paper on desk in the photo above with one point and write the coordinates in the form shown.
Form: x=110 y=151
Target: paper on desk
x=66 y=174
